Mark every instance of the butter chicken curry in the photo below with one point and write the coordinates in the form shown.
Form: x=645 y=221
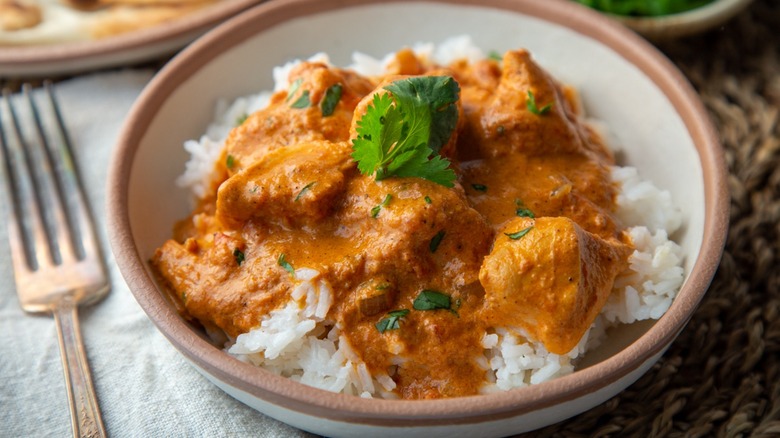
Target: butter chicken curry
x=503 y=219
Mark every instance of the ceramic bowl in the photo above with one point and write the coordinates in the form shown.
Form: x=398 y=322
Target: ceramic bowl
x=686 y=23
x=648 y=105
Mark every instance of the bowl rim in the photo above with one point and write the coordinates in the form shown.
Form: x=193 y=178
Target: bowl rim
x=295 y=396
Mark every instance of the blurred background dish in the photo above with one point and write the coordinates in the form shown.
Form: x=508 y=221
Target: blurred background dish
x=57 y=37
x=667 y=19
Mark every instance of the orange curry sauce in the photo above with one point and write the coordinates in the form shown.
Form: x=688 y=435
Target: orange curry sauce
x=287 y=185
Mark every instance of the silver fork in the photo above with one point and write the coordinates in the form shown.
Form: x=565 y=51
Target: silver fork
x=57 y=261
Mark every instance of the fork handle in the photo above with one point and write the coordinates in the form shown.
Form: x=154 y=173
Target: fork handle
x=84 y=410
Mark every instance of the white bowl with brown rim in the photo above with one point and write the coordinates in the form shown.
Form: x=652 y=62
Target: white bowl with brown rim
x=648 y=105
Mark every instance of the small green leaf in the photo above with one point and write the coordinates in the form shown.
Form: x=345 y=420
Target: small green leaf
x=331 y=99
x=240 y=121
x=531 y=104
x=431 y=300
x=375 y=210
x=302 y=102
x=391 y=321
x=428 y=200
x=495 y=55
x=285 y=264
x=304 y=190
x=479 y=187
x=522 y=210
x=519 y=234
x=436 y=240
x=239 y=256
x=230 y=161
x=293 y=88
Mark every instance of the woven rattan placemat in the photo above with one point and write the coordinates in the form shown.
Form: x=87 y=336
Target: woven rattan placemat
x=721 y=377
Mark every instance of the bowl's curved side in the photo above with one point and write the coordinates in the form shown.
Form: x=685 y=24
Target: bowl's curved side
x=134 y=173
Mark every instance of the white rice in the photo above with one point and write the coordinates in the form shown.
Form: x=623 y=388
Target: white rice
x=297 y=341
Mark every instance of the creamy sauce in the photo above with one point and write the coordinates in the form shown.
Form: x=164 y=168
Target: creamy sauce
x=287 y=186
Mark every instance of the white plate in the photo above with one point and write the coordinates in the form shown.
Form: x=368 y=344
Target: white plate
x=124 y=49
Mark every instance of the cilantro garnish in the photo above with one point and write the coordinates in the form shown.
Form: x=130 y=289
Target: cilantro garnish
x=375 y=210
x=479 y=187
x=331 y=99
x=282 y=261
x=519 y=234
x=435 y=241
x=495 y=55
x=230 y=161
x=239 y=256
x=293 y=88
x=427 y=199
x=402 y=133
x=391 y=321
x=304 y=190
x=240 y=120
x=431 y=300
x=522 y=210
x=531 y=104
x=302 y=102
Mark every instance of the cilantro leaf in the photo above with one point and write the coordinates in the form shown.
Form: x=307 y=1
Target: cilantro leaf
x=239 y=256
x=519 y=234
x=282 y=261
x=402 y=133
x=431 y=300
x=331 y=99
x=391 y=321
x=531 y=104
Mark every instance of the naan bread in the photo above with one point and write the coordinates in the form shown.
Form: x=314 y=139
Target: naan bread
x=40 y=22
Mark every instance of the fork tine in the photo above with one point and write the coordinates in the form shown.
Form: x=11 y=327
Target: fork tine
x=54 y=142
x=33 y=230
x=82 y=223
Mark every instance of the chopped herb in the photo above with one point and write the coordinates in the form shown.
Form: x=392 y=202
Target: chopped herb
x=303 y=101
x=230 y=161
x=239 y=256
x=428 y=200
x=531 y=104
x=479 y=187
x=402 y=133
x=383 y=286
x=391 y=321
x=522 y=210
x=240 y=121
x=304 y=190
x=254 y=189
x=431 y=300
x=285 y=264
x=495 y=55
x=293 y=88
x=519 y=234
x=375 y=210
x=434 y=245
x=184 y=296
x=331 y=99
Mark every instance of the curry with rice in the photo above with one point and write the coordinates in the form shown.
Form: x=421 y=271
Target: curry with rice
x=438 y=202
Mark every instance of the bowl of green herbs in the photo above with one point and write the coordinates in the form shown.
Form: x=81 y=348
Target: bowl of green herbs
x=667 y=19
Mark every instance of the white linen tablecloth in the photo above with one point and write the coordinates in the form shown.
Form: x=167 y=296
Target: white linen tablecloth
x=144 y=386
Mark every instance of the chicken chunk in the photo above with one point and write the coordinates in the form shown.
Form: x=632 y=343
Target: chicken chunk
x=292 y=186
x=551 y=278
